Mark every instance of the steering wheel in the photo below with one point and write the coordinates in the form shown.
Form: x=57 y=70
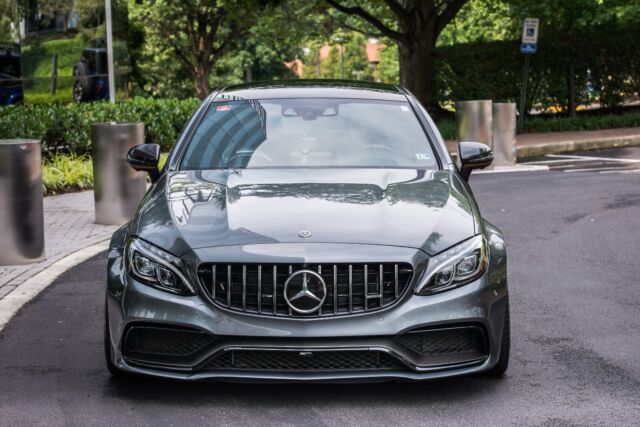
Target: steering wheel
x=250 y=154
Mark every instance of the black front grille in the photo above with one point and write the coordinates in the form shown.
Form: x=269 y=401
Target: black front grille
x=442 y=342
x=351 y=288
x=307 y=361
x=160 y=341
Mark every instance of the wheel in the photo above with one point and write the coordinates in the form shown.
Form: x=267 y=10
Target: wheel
x=113 y=370
x=503 y=360
x=82 y=86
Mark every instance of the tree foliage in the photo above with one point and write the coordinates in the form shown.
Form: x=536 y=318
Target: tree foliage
x=414 y=25
x=192 y=36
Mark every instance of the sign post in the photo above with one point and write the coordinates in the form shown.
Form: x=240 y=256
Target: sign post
x=110 y=69
x=528 y=47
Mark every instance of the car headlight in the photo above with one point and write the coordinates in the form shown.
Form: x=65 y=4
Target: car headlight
x=455 y=267
x=156 y=267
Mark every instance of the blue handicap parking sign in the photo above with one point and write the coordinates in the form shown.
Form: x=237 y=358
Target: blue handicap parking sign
x=528 y=48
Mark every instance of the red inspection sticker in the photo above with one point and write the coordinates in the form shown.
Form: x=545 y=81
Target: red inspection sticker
x=223 y=108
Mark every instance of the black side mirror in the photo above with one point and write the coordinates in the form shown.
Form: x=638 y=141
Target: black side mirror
x=473 y=155
x=145 y=157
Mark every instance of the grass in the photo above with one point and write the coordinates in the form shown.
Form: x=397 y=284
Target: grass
x=36 y=57
x=63 y=173
x=66 y=173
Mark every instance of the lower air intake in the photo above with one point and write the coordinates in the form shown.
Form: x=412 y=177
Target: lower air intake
x=294 y=361
x=442 y=342
x=160 y=341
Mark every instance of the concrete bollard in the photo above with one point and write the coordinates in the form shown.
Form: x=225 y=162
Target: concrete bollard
x=474 y=121
x=118 y=189
x=21 y=202
x=504 y=134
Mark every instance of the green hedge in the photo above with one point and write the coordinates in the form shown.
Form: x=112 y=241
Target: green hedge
x=608 y=58
x=69 y=125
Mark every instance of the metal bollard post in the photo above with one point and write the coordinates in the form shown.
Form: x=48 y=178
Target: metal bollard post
x=474 y=121
x=504 y=133
x=21 y=203
x=118 y=189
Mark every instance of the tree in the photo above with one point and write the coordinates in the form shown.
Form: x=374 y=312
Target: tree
x=355 y=64
x=196 y=33
x=415 y=26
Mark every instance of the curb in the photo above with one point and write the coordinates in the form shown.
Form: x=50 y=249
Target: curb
x=30 y=288
x=536 y=150
x=544 y=148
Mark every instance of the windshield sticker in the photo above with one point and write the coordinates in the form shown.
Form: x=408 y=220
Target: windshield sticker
x=423 y=156
x=404 y=108
x=223 y=108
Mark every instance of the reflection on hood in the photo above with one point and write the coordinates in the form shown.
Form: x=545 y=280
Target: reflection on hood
x=184 y=194
x=397 y=207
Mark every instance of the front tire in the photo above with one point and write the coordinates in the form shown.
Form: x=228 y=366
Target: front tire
x=503 y=360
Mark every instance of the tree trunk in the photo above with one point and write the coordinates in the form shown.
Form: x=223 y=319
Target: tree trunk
x=416 y=73
x=201 y=76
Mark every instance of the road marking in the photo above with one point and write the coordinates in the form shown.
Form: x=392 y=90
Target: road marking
x=523 y=167
x=614 y=168
x=622 y=171
x=585 y=158
x=550 y=162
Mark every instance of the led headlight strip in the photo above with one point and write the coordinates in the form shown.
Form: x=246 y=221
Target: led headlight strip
x=162 y=259
x=455 y=267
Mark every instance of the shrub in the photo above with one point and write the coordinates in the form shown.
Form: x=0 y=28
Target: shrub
x=62 y=173
x=68 y=126
x=602 y=62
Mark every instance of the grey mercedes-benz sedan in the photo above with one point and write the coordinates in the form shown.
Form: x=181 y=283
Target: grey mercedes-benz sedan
x=308 y=231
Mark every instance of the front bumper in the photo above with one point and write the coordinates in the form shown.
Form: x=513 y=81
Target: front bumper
x=477 y=306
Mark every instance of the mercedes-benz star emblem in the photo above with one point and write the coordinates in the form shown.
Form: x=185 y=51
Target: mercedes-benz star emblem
x=305 y=291
x=305 y=234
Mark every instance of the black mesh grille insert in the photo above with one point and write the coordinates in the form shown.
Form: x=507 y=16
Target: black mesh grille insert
x=145 y=340
x=441 y=342
x=263 y=360
x=351 y=288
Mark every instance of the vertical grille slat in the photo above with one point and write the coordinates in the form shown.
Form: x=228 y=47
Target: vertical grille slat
x=259 y=289
x=366 y=287
x=335 y=289
x=350 y=288
x=213 y=281
x=381 y=284
x=273 y=290
x=229 y=285
x=396 y=278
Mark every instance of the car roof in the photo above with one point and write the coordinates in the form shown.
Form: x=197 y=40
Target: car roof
x=313 y=89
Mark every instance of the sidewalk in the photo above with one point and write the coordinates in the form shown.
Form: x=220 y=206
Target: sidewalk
x=68 y=227
x=540 y=144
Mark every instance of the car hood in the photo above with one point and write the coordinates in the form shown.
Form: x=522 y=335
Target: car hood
x=420 y=209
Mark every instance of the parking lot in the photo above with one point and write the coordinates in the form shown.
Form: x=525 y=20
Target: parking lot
x=573 y=241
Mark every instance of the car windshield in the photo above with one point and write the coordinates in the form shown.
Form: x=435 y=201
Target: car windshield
x=311 y=132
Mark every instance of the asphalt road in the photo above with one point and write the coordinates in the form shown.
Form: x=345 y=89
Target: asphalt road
x=573 y=241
